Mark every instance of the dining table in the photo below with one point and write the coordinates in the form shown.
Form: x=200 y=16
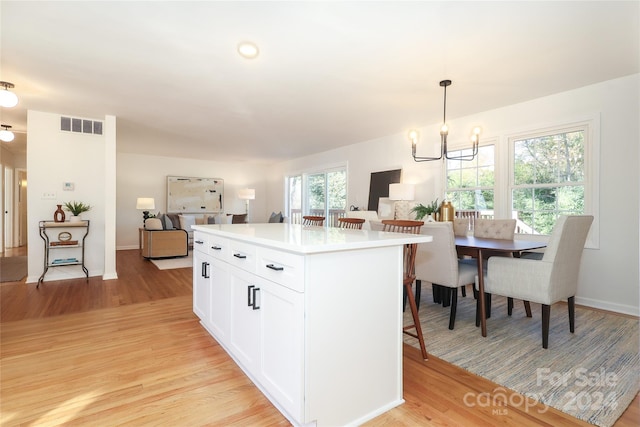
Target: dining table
x=478 y=247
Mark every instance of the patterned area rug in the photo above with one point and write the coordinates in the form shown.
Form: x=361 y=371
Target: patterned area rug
x=592 y=374
x=170 y=263
x=13 y=269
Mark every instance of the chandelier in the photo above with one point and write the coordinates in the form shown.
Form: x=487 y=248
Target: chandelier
x=444 y=132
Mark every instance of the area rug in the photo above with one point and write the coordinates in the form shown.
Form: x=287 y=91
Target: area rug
x=170 y=263
x=592 y=374
x=13 y=269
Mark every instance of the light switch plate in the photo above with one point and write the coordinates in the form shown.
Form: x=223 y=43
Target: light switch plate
x=48 y=195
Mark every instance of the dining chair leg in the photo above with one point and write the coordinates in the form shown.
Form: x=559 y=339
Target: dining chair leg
x=571 y=303
x=487 y=304
x=418 y=293
x=437 y=293
x=464 y=291
x=509 y=306
x=446 y=296
x=416 y=322
x=527 y=308
x=454 y=306
x=546 y=315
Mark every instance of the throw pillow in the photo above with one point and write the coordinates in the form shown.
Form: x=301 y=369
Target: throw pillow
x=275 y=217
x=175 y=220
x=186 y=221
x=153 y=224
x=168 y=224
x=211 y=220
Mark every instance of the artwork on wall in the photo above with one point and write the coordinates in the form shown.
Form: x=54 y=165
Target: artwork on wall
x=379 y=186
x=194 y=195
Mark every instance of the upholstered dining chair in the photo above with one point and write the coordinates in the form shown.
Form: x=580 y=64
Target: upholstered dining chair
x=313 y=220
x=437 y=262
x=353 y=223
x=494 y=229
x=548 y=280
x=461 y=226
x=409 y=276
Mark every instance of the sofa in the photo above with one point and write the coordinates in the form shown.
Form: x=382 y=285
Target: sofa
x=164 y=243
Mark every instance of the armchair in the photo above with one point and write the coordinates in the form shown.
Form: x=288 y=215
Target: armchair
x=546 y=281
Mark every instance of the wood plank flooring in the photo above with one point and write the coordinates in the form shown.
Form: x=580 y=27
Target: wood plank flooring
x=131 y=352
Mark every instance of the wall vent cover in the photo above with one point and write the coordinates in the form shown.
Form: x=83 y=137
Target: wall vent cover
x=73 y=124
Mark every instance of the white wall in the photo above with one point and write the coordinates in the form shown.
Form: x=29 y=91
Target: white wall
x=55 y=157
x=146 y=176
x=609 y=275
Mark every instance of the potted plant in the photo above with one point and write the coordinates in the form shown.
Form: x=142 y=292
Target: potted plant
x=422 y=211
x=76 y=208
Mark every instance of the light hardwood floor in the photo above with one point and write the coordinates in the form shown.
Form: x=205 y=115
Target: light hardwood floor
x=131 y=352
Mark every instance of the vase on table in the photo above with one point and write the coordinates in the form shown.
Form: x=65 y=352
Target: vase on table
x=58 y=215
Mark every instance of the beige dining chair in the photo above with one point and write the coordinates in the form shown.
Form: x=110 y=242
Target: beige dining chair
x=437 y=262
x=409 y=276
x=494 y=229
x=548 y=280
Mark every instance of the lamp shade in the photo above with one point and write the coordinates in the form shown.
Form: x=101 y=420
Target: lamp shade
x=402 y=191
x=8 y=99
x=145 y=203
x=247 y=194
x=6 y=135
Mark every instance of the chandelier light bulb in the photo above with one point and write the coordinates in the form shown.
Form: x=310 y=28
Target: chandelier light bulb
x=248 y=50
x=5 y=134
x=444 y=130
x=8 y=99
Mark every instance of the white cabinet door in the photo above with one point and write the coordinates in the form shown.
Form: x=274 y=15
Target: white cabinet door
x=201 y=286
x=281 y=336
x=244 y=334
x=220 y=312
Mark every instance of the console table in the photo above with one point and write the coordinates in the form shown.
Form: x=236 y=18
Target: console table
x=313 y=315
x=66 y=247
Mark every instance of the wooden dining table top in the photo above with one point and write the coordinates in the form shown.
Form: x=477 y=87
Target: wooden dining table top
x=498 y=244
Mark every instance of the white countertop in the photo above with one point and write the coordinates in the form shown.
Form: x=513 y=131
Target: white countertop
x=308 y=240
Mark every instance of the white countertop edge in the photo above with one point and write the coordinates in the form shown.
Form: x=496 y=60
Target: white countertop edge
x=308 y=240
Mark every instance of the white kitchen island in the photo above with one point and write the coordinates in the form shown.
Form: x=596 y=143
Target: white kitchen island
x=312 y=315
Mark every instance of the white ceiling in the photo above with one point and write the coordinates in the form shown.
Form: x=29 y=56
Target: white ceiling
x=329 y=74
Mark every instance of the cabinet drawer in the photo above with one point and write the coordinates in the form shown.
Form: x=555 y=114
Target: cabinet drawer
x=218 y=247
x=200 y=241
x=242 y=255
x=281 y=267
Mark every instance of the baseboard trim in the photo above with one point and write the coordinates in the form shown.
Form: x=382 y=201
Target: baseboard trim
x=608 y=306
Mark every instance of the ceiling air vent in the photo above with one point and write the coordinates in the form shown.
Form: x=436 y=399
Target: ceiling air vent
x=73 y=124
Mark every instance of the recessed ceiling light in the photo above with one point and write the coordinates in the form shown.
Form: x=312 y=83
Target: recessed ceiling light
x=248 y=50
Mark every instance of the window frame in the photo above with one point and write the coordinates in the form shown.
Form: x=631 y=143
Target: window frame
x=504 y=168
x=304 y=174
x=591 y=127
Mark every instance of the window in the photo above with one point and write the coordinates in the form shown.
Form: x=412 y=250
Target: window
x=546 y=173
x=470 y=183
x=322 y=193
x=548 y=177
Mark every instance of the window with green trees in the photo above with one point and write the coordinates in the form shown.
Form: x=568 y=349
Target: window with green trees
x=470 y=183
x=549 y=172
x=548 y=178
x=322 y=193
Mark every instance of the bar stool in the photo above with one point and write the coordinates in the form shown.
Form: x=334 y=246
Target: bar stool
x=409 y=276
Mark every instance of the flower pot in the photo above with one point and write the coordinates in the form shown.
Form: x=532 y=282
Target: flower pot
x=74 y=218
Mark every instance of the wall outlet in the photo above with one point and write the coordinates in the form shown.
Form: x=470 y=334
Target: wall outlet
x=47 y=195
